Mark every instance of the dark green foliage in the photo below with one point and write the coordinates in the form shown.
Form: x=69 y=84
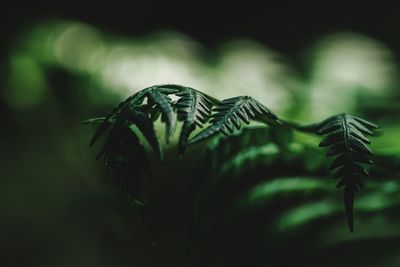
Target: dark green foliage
x=345 y=135
x=126 y=158
x=140 y=120
x=219 y=158
x=231 y=112
x=282 y=136
x=250 y=146
x=194 y=109
x=222 y=150
x=126 y=161
x=159 y=99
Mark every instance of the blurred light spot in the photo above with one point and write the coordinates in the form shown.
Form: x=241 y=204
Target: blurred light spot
x=250 y=154
x=391 y=187
x=131 y=67
x=375 y=201
x=345 y=65
x=286 y=185
x=39 y=43
x=371 y=202
x=127 y=65
x=123 y=65
x=307 y=213
x=389 y=143
x=26 y=83
x=386 y=195
x=79 y=47
x=247 y=68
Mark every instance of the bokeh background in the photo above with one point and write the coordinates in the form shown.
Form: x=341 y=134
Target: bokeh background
x=61 y=65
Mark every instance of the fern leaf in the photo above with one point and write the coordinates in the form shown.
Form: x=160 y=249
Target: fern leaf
x=106 y=122
x=158 y=99
x=345 y=136
x=162 y=101
x=231 y=112
x=135 y=99
x=141 y=121
x=126 y=161
x=194 y=109
x=144 y=124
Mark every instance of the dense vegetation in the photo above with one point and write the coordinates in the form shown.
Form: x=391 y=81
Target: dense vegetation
x=125 y=156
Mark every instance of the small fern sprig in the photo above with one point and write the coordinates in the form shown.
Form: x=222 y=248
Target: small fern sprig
x=345 y=136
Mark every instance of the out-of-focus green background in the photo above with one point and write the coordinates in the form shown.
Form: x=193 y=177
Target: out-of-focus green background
x=63 y=65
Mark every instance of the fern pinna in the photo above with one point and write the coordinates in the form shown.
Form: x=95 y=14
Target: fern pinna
x=122 y=152
x=230 y=112
x=194 y=109
x=345 y=135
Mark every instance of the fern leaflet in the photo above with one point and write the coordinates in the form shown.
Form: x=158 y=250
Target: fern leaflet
x=194 y=109
x=126 y=161
x=345 y=135
x=231 y=112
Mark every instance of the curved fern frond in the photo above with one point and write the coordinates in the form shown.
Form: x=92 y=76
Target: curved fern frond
x=158 y=101
x=231 y=112
x=159 y=98
x=141 y=121
x=345 y=135
x=194 y=109
x=126 y=161
x=105 y=124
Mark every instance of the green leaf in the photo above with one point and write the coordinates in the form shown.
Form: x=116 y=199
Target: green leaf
x=126 y=161
x=159 y=97
x=142 y=121
x=230 y=113
x=135 y=99
x=194 y=109
x=105 y=124
x=345 y=137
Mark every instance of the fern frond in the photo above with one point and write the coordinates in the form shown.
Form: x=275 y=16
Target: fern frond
x=141 y=121
x=158 y=101
x=231 y=112
x=145 y=125
x=345 y=135
x=194 y=109
x=159 y=97
x=105 y=124
x=126 y=161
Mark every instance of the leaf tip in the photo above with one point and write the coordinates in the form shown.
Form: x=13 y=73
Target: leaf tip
x=348 y=203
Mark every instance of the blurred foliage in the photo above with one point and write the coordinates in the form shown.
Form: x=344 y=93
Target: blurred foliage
x=259 y=203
